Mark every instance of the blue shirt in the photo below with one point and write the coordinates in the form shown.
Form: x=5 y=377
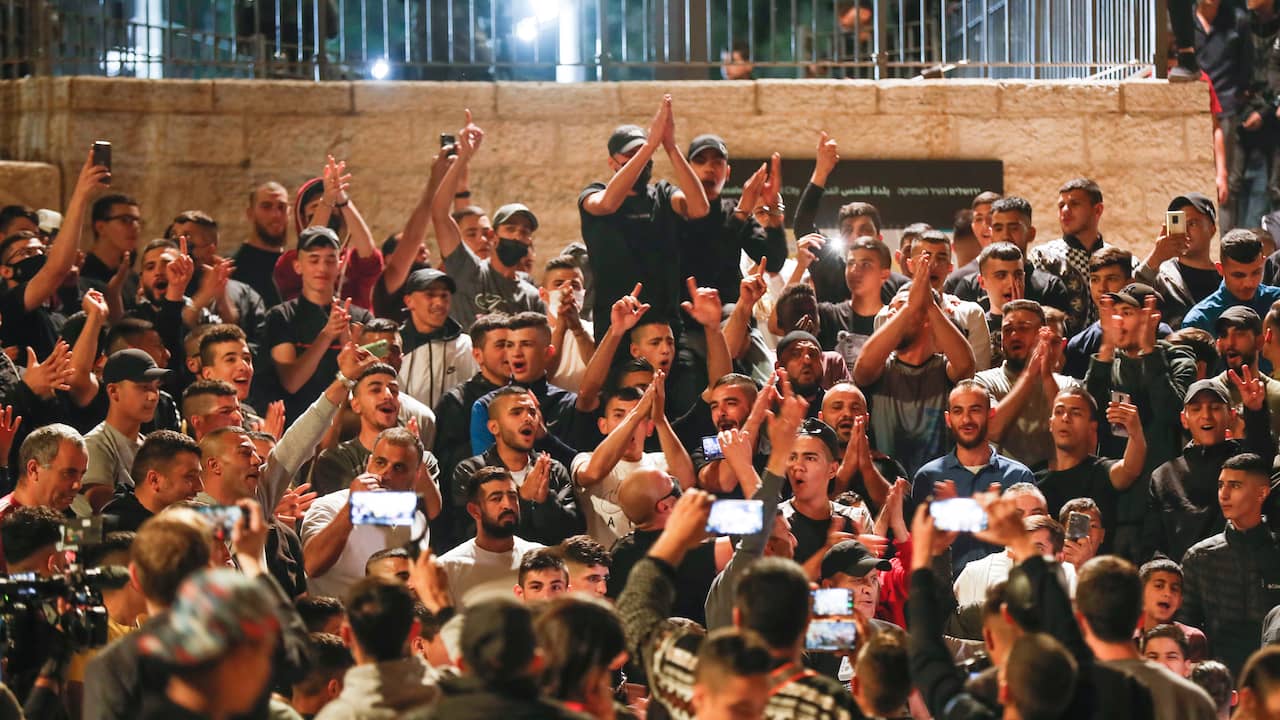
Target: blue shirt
x=1207 y=311
x=999 y=469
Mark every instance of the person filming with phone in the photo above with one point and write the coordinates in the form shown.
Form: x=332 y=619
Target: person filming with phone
x=337 y=544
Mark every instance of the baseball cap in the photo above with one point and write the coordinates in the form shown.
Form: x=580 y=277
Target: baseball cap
x=215 y=611
x=1241 y=317
x=420 y=280
x=793 y=337
x=851 y=558
x=132 y=364
x=708 y=142
x=510 y=210
x=814 y=427
x=497 y=637
x=1207 y=385
x=317 y=236
x=625 y=138
x=1199 y=201
x=1136 y=294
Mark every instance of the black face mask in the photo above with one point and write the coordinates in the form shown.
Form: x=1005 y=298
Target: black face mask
x=26 y=268
x=511 y=252
x=642 y=182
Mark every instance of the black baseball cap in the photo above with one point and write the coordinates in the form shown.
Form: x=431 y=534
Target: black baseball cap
x=1136 y=294
x=793 y=337
x=851 y=558
x=510 y=210
x=814 y=427
x=625 y=139
x=708 y=142
x=1199 y=201
x=132 y=364
x=1208 y=385
x=420 y=280
x=318 y=236
x=1241 y=317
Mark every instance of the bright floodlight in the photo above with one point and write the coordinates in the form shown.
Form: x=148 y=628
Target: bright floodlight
x=380 y=69
x=527 y=29
x=546 y=10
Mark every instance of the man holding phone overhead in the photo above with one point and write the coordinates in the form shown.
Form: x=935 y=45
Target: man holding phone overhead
x=334 y=547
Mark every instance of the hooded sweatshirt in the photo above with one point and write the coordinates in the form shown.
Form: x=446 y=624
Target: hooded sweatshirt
x=360 y=275
x=384 y=690
x=434 y=362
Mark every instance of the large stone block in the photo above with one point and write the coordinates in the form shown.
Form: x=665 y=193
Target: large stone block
x=1047 y=98
x=27 y=183
x=519 y=100
x=138 y=96
x=301 y=144
x=133 y=136
x=818 y=98
x=1163 y=97
x=1134 y=140
x=282 y=97
x=689 y=99
x=202 y=140
x=935 y=97
x=1019 y=141
x=383 y=143
x=426 y=98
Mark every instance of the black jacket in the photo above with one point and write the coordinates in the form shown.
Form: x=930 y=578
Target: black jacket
x=546 y=522
x=466 y=697
x=453 y=445
x=711 y=246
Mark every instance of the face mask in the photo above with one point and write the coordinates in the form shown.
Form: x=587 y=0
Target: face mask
x=553 y=300
x=511 y=252
x=642 y=182
x=25 y=269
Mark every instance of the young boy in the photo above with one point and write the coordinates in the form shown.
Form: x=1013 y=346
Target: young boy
x=845 y=326
x=563 y=291
x=1167 y=644
x=1161 y=600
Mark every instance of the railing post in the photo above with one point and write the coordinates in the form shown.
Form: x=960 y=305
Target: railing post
x=1160 y=61
x=882 y=39
x=602 y=40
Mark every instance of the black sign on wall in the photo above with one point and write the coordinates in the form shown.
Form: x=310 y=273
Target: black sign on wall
x=905 y=191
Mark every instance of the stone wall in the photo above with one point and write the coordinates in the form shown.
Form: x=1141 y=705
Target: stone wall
x=181 y=145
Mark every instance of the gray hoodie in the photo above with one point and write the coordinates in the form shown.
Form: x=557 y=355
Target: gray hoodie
x=384 y=690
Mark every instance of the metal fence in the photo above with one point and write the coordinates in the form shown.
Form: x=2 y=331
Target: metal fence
x=580 y=40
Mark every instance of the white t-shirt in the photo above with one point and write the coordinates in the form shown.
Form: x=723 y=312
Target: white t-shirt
x=475 y=573
x=364 y=541
x=605 y=520
x=972 y=582
x=572 y=368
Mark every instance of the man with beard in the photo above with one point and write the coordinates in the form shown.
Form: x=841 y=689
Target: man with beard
x=488 y=563
x=1024 y=385
x=491 y=285
x=631 y=228
x=973 y=466
x=800 y=355
x=166 y=471
x=375 y=400
x=1239 y=335
x=1075 y=471
x=812 y=514
x=1182 y=504
x=232 y=472
x=863 y=469
x=908 y=367
x=549 y=511
x=752 y=223
x=335 y=549
x=629 y=417
x=162 y=287
x=268 y=216
x=732 y=398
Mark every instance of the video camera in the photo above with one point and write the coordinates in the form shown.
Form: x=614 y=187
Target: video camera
x=53 y=617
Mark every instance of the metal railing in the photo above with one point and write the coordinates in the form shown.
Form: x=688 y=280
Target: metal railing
x=579 y=40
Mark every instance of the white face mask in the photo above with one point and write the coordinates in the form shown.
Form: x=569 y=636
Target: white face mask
x=553 y=300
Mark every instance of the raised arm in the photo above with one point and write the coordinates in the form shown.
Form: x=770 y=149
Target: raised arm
x=678 y=462
x=625 y=313
x=608 y=453
x=1009 y=409
x=448 y=235
x=84 y=384
x=807 y=209
x=1124 y=473
x=690 y=201
x=295 y=370
x=738 y=328
x=62 y=253
x=706 y=309
x=607 y=201
x=399 y=262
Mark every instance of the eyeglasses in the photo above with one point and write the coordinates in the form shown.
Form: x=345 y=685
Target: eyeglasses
x=674 y=493
x=126 y=219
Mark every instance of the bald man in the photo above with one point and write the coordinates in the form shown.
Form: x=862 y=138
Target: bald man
x=232 y=472
x=647 y=497
x=866 y=471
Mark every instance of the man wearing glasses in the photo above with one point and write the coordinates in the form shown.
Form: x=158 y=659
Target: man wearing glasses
x=117 y=224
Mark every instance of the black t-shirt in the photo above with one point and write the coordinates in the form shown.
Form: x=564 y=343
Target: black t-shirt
x=130 y=512
x=638 y=243
x=1201 y=283
x=811 y=534
x=844 y=331
x=1091 y=479
x=254 y=267
x=22 y=328
x=298 y=322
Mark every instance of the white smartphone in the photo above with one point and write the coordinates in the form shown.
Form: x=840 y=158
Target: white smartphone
x=1175 y=222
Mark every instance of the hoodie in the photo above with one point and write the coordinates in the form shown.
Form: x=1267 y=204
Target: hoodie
x=467 y=697
x=384 y=690
x=434 y=362
x=361 y=273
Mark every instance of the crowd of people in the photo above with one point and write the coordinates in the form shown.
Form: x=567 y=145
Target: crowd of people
x=974 y=475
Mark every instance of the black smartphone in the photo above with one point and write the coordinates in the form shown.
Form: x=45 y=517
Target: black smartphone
x=1078 y=525
x=102 y=156
x=449 y=141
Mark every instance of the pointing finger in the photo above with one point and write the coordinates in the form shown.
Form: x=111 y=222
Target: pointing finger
x=635 y=293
